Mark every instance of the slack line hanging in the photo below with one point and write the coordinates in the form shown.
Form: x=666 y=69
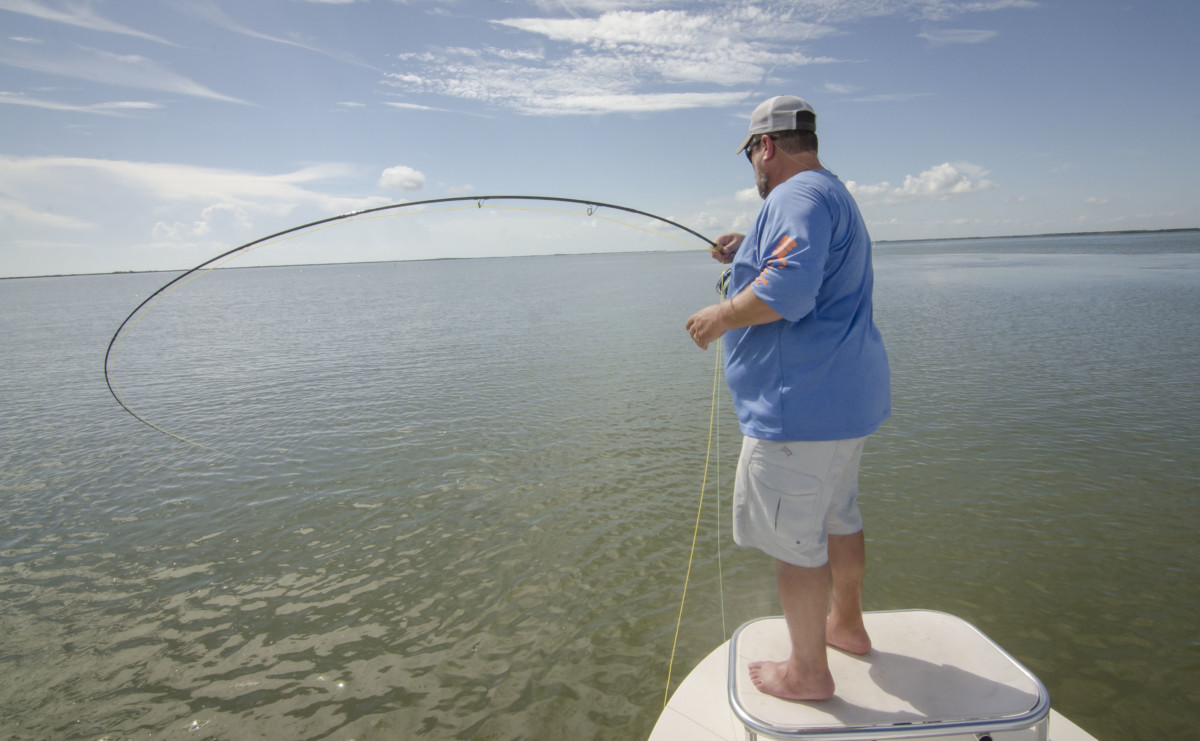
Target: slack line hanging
x=592 y=207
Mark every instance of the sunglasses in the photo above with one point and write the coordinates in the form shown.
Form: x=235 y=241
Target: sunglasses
x=750 y=149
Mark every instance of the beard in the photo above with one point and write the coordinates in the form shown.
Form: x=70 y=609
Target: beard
x=760 y=181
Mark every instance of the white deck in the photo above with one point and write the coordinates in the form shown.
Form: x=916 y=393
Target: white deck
x=925 y=668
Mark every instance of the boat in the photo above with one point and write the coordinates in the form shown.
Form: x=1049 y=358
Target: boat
x=929 y=675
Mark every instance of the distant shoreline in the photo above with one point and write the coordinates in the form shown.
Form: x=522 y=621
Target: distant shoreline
x=878 y=242
x=1044 y=236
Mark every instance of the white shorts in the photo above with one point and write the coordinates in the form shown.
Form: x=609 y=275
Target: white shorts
x=790 y=496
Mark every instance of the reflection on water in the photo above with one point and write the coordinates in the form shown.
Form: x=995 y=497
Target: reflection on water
x=469 y=517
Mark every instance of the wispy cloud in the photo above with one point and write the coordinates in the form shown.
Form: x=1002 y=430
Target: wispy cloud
x=13 y=210
x=890 y=97
x=412 y=106
x=75 y=14
x=112 y=108
x=839 y=89
x=172 y=188
x=957 y=36
x=938 y=10
x=97 y=65
x=938 y=183
x=211 y=13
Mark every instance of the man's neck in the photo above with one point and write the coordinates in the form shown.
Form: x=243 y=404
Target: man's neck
x=791 y=165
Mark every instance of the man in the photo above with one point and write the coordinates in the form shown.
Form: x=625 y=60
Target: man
x=809 y=378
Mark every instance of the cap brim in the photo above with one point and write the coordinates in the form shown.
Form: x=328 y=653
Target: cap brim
x=744 y=145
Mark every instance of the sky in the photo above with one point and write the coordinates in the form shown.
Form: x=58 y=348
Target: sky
x=154 y=135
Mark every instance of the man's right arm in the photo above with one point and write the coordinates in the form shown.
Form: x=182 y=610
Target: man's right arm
x=727 y=247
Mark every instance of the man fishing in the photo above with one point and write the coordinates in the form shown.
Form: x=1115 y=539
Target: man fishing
x=809 y=377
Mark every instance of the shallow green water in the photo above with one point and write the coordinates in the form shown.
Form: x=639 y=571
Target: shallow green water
x=455 y=499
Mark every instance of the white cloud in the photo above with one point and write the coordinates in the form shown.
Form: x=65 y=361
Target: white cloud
x=839 y=89
x=943 y=9
x=202 y=190
x=621 y=61
x=210 y=13
x=96 y=65
x=14 y=211
x=891 y=97
x=957 y=36
x=587 y=57
x=214 y=218
x=634 y=103
x=662 y=28
x=412 y=106
x=402 y=177
x=78 y=15
x=112 y=108
x=824 y=11
x=938 y=183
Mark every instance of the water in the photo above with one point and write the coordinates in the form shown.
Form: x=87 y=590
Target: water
x=455 y=499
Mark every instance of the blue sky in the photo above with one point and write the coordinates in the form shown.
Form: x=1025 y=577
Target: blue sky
x=154 y=135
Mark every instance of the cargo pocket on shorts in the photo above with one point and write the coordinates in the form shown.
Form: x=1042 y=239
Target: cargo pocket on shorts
x=798 y=501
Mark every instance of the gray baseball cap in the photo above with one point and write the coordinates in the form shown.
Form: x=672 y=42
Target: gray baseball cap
x=778 y=114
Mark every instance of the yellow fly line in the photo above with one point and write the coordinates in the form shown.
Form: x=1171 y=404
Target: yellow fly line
x=713 y=430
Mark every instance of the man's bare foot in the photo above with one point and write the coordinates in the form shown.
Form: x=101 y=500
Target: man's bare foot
x=849 y=638
x=773 y=678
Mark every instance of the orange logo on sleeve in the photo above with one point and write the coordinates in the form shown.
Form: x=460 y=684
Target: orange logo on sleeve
x=778 y=259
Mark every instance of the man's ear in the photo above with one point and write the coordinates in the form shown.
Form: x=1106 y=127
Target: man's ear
x=768 y=147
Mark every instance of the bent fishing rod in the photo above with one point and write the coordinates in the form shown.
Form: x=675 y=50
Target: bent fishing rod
x=592 y=207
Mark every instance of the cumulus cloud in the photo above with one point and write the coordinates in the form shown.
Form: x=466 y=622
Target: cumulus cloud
x=938 y=183
x=402 y=177
x=213 y=218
